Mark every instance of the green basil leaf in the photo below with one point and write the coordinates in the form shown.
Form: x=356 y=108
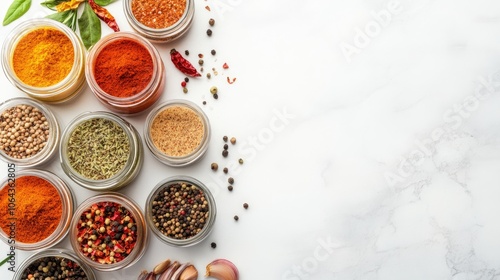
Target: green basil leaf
x=68 y=17
x=104 y=2
x=16 y=10
x=51 y=4
x=89 y=26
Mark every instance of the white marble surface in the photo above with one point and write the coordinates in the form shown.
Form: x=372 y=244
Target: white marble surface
x=370 y=132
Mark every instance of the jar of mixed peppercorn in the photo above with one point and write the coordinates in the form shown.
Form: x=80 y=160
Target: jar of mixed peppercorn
x=160 y=22
x=181 y=211
x=108 y=232
x=54 y=264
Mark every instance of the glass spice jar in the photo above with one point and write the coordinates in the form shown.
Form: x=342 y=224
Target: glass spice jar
x=164 y=31
x=108 y=232
x=101 y=151
x=142 y=98
x=10 y=185
x=37 y=132
x=58 y=90
x=200 y=209
x=177 y=132
x=64 y=263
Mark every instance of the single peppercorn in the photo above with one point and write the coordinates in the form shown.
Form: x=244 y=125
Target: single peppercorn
x=186 y=79
x=209 y=32
x=216 y=96
x=214 y=166
x=240 y=161
x=204 y=102
x=183 y=84
x=245 y=205
x=225 y=153
x=211 y=22
x=233 y=140
x=200 y=62
x=213 y=52
x=224 y=138
x=213 y=90
x=230 y=188
x=185 y=90
x=186 y=52
x=225 y=170
x=213 y=245
x=226 y=146
x=236 y=218
x=209 y=75
x=230 y=180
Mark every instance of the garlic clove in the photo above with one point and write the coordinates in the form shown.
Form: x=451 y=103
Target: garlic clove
x=161 y=267
x=178 y=271
x=222 y=269
x=189 y=273
x=167 y=274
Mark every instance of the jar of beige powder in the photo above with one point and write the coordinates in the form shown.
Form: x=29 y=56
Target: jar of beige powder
x=177 y=132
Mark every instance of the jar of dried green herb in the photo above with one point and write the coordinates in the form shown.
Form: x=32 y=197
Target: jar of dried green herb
x=181 y=211
x=54 y=264
x=101 y=151
x=108 y=232
x=29 y=132
x=177 y=132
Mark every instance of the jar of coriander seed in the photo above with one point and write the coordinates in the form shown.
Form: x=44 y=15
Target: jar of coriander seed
x=101 y=151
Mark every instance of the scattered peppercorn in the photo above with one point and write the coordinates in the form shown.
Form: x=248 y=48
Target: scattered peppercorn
x=236 y=218
x=209 y=75
x=224 y=138
x=211 y=22
x=186 y=52
x=213 y=52
x=185 y=90
x=213 y=90
x=230 y=188
x=226 y=146
x=209 y=32
x=240 y=161
x=214 y=166
x=200 y=62
x=216 y=96
x=186 y=79
x=225 y=66
x=204 y=102
x=213 y=245
x=245 y=205
x=230 y=180
x=225 y=170
x=183 y=84
x=233 y=140
x=180 y=210
x=225 y=153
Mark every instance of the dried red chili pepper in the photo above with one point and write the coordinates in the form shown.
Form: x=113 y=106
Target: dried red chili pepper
x=104 y=15
x=183 y=64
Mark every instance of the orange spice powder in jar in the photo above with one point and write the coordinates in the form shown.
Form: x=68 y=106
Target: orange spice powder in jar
x=158 y=14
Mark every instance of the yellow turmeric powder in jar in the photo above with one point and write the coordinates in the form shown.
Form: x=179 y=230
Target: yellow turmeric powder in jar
x=43 y=57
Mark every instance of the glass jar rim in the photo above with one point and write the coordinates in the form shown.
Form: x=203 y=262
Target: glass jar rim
x=134 y=158
x=29 y=26
x=94 y=52
x=48 y=151
x=197 y=153
x=68 y=203
x=207 y=229
x=54 y=252
x=142 y=231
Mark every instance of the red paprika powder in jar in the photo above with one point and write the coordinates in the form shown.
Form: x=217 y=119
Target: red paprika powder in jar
x=125 y=72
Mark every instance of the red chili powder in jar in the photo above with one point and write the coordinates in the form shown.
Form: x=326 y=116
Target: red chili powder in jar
x=123 y=68
x=158 y=14
x=37 y=209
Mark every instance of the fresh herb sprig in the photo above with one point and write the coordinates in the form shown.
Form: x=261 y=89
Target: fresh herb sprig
x=88 y=23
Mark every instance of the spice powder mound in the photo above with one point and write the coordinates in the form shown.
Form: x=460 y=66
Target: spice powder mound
x=98 y=149
x=43 y=57
x=158 y=14
x=24 y=131
x=177 y=131
x=38 y=209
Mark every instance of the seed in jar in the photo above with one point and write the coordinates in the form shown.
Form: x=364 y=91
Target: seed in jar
x=24 y=131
